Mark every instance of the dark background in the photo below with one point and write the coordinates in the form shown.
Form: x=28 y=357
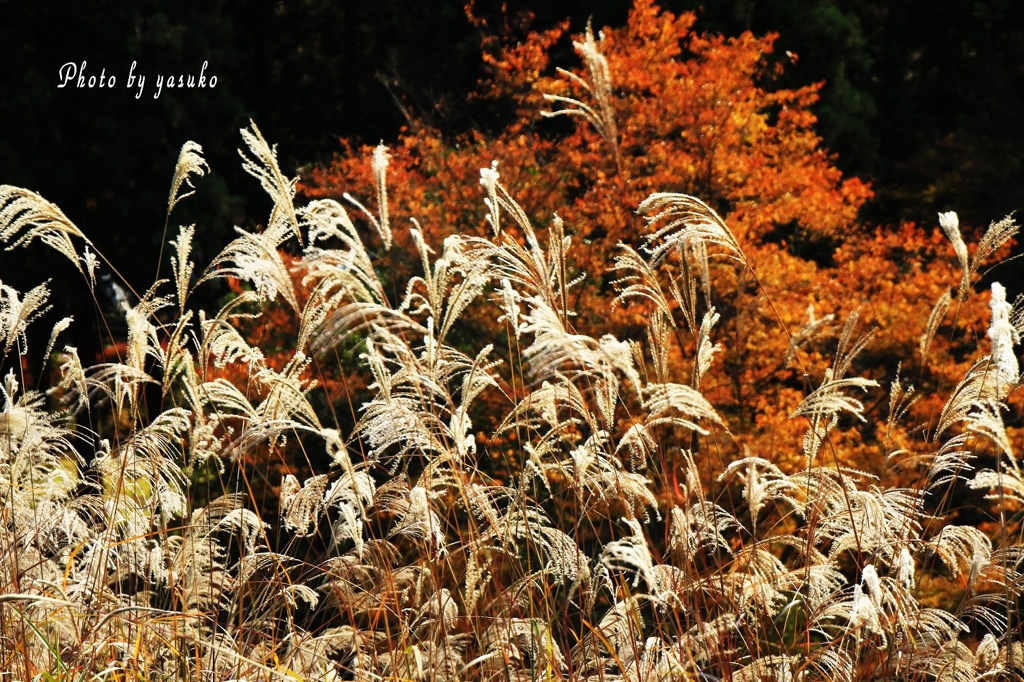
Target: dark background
x=924 y=99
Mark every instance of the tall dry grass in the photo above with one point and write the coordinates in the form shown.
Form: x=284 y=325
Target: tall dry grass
x=516 y=501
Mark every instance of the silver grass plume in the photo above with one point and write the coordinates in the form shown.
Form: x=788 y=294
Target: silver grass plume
x=602 y=113
x=965 y=550
x=849 y=346
x=701 y=527
x=604 y=478
x=706 y=351
x=658 y=661
x=986 y=421
x=90 y=263
x=539 y=271
x=349 y=291
x=659 y=344
x=198 y=569
x=934 y=320
x=181 y=265
x=489 y=179
x=679 y=220
x=679 y=405
x=522 y=645
x=73 y=383
x=615 y=640
x=222 y=344
x=350 y=495
x=17 y=313
x=901 y=399
x=639 y=282
x=775 y=667
x=997 y=234
x=418 y=520
x=259 y=159
x=565 y=562
x=988 y=651
x=25 y=216
x=381 y=222
x=763 y=482
x=950 y=224
x=143 y=335
x=146 y=467
x=255 y=258
x=822 y=407
x=449 y=287
x=631 y=555
x=1004 y=337
x=190 y=163
x=380 y=172
x=58 y=328
x=302 y=506
x=979 y=385
x=873 y=520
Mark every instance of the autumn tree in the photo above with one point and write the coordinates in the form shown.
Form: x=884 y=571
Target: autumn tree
x=653 y=107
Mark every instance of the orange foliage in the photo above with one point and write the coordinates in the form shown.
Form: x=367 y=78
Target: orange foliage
x=697 y=114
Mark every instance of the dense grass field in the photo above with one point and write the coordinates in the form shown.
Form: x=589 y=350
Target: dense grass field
x=395 y=450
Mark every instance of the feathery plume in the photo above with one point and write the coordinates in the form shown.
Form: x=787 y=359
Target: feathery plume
x=379 y=164
x=640 y=282
x=261 y=163
x=950 y=224
x=997 y=234
x=1004 y=337
x=602 y=115
x=17 y=313
x=706 y=351
x=934 y=320
x=685 y=220
x=89 y=265
x=489 y=179
x=181 y=266
x=58 y=328
x=25 y=216
x=190 y=163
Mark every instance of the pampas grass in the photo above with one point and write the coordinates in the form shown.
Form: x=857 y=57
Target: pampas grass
x=491 y=515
